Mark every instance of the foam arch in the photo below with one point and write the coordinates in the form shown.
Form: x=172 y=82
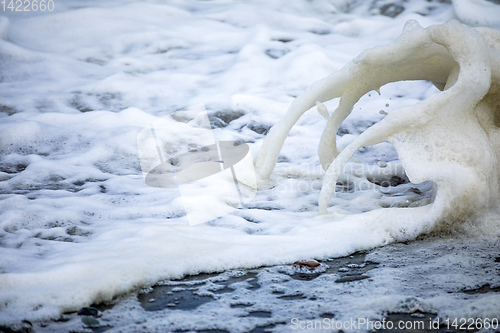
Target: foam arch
x=452 y=138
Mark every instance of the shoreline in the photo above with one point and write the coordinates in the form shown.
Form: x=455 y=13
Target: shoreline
x=283 y=298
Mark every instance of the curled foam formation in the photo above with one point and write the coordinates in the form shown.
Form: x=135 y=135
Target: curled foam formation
x=452 y=138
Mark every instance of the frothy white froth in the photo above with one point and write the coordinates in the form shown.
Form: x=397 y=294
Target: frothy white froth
x=79 y=225
x=451 y=138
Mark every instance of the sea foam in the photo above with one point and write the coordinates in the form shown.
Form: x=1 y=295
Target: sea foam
x=78 y=223
x=451 y=138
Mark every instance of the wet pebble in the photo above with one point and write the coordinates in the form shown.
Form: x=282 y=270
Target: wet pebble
x=309 y=264
x=88 y=311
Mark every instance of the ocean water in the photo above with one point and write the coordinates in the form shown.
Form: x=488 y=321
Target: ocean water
x=80 y=226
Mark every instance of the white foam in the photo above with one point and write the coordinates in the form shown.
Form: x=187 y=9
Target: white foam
x=79 y=225
x=481 y=13
x=440 y=139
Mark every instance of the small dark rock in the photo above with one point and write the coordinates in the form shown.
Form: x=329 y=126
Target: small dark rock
x=310 y=264
x=88 y=311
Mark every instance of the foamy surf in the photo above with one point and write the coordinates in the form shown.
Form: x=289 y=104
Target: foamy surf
x=79 y=224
